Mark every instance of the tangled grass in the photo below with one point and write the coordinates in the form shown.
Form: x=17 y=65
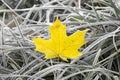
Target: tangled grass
x=22 y=20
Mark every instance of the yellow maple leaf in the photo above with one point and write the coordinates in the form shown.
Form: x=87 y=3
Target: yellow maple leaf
x=59 y=44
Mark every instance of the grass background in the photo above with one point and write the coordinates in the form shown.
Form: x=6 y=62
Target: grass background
x=21 y=20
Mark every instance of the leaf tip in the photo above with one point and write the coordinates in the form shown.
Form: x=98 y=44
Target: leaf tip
x=57 y=22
